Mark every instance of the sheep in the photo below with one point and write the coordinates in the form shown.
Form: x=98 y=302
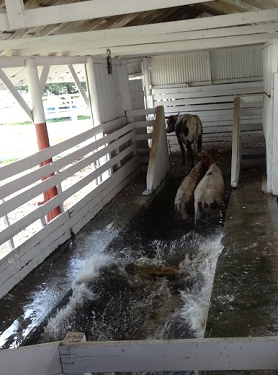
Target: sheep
x=184 y=200
x=188 y=129
x=208 y=195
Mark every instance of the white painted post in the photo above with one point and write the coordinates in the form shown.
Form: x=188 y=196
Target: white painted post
x=147 y=82
x=275 y=137
x=40 y=125
x=6 y=223
x=235 y=167
x=74 y=338
x=159 y=162
x=270 y=69
x=93 y=100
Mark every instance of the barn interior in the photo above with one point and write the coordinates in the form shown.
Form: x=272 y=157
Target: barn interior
x=140 y=63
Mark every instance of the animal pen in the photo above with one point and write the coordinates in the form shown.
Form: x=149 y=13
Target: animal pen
x=233 y=89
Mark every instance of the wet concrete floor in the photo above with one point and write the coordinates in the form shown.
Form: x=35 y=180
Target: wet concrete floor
x=24 y=309
x=244 y=300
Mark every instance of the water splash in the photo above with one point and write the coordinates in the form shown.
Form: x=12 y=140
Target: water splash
x=81 y=294
x=196 y=298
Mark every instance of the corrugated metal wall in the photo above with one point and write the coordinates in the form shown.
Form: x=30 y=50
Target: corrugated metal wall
x=238 y=62
x=180 y=68
x=207 y=66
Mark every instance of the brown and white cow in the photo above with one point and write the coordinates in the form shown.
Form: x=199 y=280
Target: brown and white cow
x=188 y=129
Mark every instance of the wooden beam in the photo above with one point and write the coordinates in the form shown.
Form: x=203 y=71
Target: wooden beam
x=252 y=353
x=16 y=94
x=54 y=43
x=15 y=14
x=184 y=46
x=87 y=10
x=97 y=42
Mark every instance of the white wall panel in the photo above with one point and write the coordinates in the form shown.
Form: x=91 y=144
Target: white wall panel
x=238 y=62
x=180 y=68
x=108 y=91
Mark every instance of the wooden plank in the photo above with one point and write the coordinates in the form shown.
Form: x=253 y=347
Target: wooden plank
x=38 y=189
x=54 y=202
x=92 y=9
x=144 y=124
x=257 y=85
x=209 y=94
x=32 y=242
x=46 y=250
x=183 y=100
x=124 y=176
x=140 y=112
x=55 y=166
x=35 y=159
x=250 y=353
x=235 y=163
x=40 y=359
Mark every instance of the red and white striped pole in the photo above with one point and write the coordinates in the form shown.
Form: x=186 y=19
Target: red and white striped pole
x=40 y=126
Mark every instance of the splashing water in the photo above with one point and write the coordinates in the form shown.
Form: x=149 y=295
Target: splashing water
x=81 y=294
x=163 y=297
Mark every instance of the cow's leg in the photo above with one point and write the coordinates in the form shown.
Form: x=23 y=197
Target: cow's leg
x=182 y=152
x=190 y=155
x=199 y=143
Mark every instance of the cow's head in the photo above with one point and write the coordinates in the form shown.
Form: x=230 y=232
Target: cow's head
x=171 y=123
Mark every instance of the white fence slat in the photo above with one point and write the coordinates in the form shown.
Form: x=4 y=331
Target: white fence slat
x=15 y=260
x=109 y=190
x=56 y=201
x=35 y=159
x=39 y=157
x=54 y=180
x=206 y=94
x=171 y=355
x=40 y=359
x=55 y=166
x=140 y=112
x=225 y=86
x=144 y=124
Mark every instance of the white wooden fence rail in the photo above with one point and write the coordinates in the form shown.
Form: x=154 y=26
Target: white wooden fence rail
x=214 y=354
x=110 y=145
x=235 y=163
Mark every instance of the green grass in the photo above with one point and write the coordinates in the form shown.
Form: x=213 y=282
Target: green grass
x=62 y=119
x=8 y=161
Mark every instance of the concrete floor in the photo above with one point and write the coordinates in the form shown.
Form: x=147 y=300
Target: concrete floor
x=244 y=300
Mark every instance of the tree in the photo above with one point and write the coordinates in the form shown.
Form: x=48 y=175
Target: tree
x=60 y=88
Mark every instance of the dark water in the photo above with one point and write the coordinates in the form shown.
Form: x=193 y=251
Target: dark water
x=153 y=281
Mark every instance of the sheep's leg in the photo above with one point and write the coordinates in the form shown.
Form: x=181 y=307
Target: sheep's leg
x=199 y=143
x=182 y=152
x=190 y=154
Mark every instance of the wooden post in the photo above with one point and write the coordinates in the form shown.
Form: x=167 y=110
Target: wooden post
x=40 y=126
x=147 y=82
x=6 y=224
x=235 y=167
x=93 y=101
x=74 y=338
x=159 y=163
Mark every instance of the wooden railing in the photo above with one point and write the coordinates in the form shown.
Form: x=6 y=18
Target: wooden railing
x=76 y=356
x=105 y=158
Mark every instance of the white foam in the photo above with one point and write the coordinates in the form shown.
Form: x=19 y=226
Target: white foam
x=202 y=269
x=59 y=325
x=92 y=267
